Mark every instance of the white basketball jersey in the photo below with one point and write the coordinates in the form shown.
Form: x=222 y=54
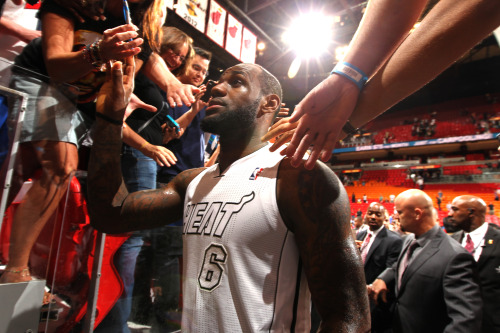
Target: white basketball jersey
x=242 y=271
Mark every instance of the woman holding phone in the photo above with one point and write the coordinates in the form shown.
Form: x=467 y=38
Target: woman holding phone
x=74 y=52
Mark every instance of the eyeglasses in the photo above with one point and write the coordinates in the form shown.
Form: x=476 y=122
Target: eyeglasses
x=199 y=69
x=177 y=55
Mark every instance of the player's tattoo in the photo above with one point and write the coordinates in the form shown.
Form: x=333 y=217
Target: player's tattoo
x=323 y=234
x=322 y=198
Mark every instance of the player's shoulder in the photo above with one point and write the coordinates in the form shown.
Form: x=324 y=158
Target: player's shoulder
x=320 y=171
x=186 y=176
x=299 y=181
x=302 y=195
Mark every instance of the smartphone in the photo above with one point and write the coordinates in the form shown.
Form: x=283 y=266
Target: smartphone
x=207 y=94
x=172 y=123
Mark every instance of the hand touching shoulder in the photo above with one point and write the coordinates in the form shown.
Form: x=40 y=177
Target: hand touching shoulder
x=315 y=207
x=305 y=196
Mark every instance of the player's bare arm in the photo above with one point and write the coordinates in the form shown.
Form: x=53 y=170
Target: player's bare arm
x=116 y=210
x=112 y=208
x=315 y=207
x=156 y=208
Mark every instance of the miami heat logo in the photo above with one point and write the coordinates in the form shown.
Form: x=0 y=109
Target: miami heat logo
x=211 y=218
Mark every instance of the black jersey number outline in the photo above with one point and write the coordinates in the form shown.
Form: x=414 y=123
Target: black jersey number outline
x=212 y=268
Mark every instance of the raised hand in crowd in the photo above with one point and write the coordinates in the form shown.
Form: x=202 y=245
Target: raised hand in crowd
x=9 y=27
x=119 y=43
x=323 y=112
x=161 y=155
x=320 y=127
x=283 y=113
x=177 y=93
x=136 y=103
x=60 y=60
x=170 y=133
x=114 y=97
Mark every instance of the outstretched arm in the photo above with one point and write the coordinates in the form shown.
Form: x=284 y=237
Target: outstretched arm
x=327 y=107
x=315 y=208
x=9 y=27
x=447 y=31
x=112 y=209
x=445 y=34
x=185 y=120
x=160 y=154
x=177 y=93
x=106 y=188
x=64 y=64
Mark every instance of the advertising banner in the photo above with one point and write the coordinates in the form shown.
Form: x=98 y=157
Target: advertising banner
x=248 y=46
x=216 y=23
x=233 y=36
x=194 y=12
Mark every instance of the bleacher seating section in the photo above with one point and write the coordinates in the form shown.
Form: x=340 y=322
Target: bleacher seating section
x=463 y=169
x=453 y=119
x=474 y=157
x=390 y=177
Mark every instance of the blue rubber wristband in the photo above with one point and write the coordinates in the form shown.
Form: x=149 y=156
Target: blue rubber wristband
x=351 y=72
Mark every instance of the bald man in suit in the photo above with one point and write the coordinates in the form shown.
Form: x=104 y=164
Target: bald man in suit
x=433 y=278
x=483 y=241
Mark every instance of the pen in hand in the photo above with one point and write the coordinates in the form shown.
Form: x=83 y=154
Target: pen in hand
x=126 y=12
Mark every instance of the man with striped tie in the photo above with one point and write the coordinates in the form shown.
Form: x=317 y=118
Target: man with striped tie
x=482 y=240
x=433 y=279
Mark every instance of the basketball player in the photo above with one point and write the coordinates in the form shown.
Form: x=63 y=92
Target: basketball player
x=260 y=237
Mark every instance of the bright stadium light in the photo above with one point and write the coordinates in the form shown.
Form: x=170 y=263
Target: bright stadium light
x=310 y=35
x=294 y=67
x=340 y=52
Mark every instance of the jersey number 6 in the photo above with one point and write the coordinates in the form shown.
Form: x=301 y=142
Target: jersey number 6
x=211 y=271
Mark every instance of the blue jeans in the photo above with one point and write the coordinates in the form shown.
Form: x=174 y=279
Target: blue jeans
x=139 y=173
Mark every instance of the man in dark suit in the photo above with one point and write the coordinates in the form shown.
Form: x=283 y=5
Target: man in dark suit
x=433 y=279
x=483 y=241
x=380 y=249
x=359 y=226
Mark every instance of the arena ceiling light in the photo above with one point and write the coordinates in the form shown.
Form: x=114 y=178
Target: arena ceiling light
x=340 y=52
x=309 y=36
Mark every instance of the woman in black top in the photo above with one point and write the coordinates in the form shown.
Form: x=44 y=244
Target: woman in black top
x=71 y=51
